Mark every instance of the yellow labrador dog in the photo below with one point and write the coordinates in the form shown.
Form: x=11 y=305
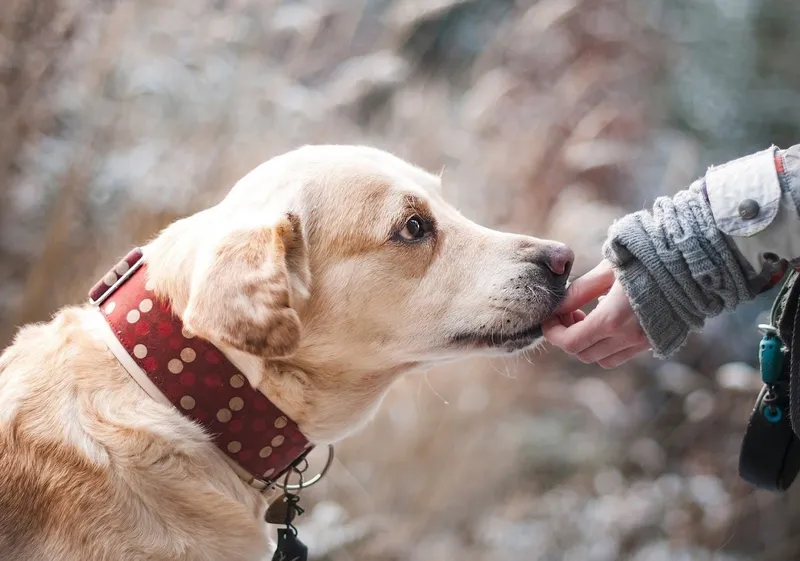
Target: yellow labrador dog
x=324 y=274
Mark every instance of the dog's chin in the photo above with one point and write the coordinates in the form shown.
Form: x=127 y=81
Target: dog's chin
x=508 y=342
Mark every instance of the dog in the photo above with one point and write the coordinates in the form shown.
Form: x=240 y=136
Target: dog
x=324 y=275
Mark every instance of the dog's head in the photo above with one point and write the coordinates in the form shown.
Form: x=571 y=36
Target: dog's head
x=339 y=267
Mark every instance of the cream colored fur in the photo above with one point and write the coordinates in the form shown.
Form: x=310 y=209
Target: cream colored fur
x=303 y=277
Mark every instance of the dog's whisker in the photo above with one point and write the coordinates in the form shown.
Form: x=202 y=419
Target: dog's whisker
x=495 y=369
x=527 y=357
x=437 y=394
x=508 y=370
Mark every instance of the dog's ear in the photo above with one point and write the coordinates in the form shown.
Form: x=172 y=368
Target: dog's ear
x=245 y=290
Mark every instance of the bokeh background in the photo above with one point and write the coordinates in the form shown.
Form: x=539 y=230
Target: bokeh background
x=549 y=117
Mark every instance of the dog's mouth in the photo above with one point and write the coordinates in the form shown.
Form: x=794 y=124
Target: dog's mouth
x=508 y=340
x=517 y=336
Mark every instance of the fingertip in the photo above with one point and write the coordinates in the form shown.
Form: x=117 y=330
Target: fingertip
x=586 y=288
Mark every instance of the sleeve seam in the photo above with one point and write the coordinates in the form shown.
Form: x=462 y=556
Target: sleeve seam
x=784 y=177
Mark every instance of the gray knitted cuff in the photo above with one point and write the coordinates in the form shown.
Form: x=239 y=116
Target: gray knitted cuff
x=676 y=267
x=664 y=329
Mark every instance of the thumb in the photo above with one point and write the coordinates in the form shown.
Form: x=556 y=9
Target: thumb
x=589 y=287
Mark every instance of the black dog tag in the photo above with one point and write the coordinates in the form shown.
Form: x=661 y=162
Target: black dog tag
x=770 y=454
x=282 y=511
x=289 y=547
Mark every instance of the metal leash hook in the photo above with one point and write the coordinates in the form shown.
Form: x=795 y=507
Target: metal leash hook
x=286 y=486
x=284 y=510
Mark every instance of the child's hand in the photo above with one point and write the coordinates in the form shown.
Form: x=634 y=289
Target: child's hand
x=610 y=335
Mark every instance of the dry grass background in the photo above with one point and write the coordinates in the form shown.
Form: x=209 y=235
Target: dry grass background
x=118 y=117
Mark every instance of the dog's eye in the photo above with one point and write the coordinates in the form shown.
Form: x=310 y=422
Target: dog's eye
x=415 y=229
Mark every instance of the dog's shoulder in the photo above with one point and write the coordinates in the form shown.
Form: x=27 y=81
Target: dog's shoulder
x=47 y=481
x=93 y=468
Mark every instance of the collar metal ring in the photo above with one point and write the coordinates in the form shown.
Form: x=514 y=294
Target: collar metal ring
x=306 y=484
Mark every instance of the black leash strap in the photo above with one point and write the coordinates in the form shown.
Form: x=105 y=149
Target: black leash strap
x=789 y=326
x=770 y=453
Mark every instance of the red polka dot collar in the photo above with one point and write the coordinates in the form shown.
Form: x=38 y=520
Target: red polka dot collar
x=194 y=376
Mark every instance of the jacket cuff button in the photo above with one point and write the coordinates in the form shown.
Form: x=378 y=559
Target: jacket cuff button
x=748 y=209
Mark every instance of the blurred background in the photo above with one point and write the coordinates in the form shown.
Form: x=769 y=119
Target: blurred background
x=549 y=117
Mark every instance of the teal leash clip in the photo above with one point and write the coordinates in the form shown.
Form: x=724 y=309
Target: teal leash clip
x=770 y=360
x=770 y=354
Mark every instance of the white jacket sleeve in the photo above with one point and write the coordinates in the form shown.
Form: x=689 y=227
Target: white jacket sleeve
x=754 y=203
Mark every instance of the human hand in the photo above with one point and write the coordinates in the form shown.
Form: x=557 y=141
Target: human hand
x=611 y=334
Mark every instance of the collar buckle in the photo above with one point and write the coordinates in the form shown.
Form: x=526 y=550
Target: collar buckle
x=116 y=277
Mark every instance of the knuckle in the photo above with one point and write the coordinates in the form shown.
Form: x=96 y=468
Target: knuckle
x=576 y=342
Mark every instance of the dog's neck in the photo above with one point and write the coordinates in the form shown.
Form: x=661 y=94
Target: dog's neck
x=328 y=402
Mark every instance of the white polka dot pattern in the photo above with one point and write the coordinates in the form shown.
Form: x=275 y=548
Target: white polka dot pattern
x=196 y=377
x=188 y=355
x=140 y=351
x=110 y=278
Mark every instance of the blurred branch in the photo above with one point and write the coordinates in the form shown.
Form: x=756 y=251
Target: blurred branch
x=45 y=271
x=33 y=37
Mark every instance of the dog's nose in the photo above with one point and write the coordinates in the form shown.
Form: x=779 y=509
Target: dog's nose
x=558 y=258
